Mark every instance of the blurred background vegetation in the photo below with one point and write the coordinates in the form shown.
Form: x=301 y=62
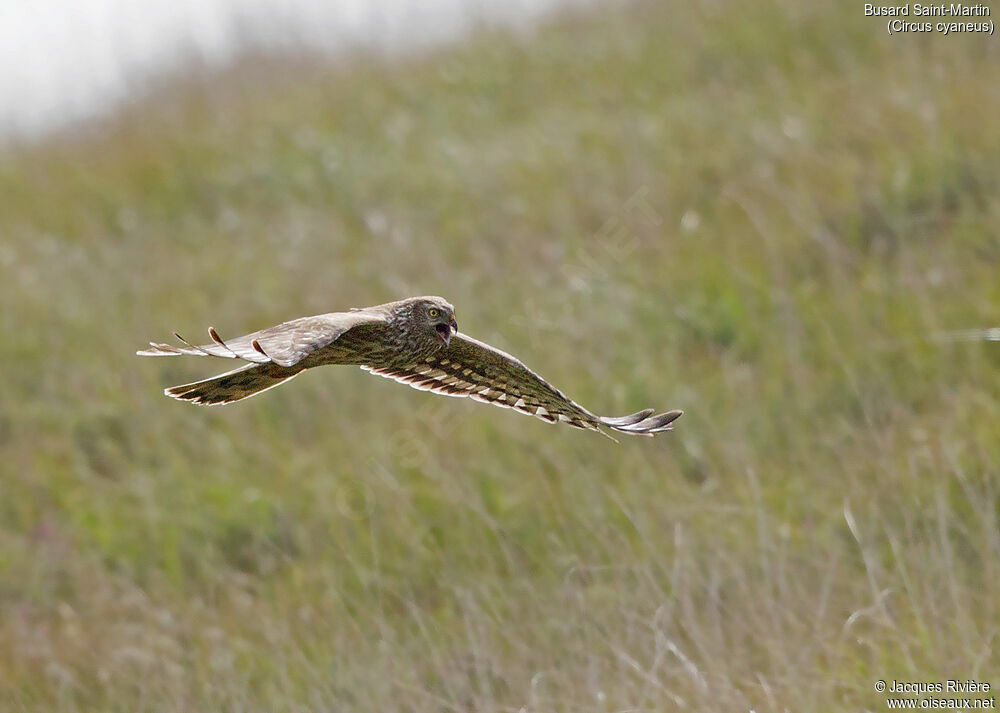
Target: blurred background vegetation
x=762 y=213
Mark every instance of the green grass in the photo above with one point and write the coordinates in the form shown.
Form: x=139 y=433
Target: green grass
x=760 y=213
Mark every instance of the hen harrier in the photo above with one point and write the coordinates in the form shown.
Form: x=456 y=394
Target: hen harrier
x=414 y=341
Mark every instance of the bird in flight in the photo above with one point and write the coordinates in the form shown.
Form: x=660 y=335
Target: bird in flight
x=415 y=341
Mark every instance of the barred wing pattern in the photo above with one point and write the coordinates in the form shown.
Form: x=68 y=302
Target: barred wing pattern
x=470 y=368
x=285 y=344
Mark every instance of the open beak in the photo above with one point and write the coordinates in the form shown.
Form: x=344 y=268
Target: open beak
x=445 y=331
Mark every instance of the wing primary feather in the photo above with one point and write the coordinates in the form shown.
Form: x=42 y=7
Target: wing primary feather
x=627 y=420
x=218 y=340
x=196 y=348
x=246 y=356
x=646 y=426
x=258 y=348
x=473 y=369
x=160 y=350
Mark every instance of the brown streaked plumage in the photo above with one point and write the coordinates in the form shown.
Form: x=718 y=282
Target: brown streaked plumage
x=414 y=341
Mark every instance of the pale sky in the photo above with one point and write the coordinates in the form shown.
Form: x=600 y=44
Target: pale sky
x=61 y=60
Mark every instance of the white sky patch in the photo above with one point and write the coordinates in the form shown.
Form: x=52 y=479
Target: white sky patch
x=64 y=60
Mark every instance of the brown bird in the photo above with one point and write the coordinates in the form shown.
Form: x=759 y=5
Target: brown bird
x=414 y=341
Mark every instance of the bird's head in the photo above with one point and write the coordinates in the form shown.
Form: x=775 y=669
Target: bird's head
x=437 y=316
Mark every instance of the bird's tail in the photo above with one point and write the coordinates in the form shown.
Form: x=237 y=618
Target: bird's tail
x=234 y=385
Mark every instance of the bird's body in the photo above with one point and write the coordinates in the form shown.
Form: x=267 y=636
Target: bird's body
x=414 y=341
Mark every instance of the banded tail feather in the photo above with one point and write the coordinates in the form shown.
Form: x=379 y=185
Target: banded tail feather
x=235 y=385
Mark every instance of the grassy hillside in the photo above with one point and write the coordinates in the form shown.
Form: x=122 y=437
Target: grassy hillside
x=761 y=213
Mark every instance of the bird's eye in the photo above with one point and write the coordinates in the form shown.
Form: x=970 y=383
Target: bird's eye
x=434 y=312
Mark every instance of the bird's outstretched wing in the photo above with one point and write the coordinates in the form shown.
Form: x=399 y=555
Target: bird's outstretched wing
x=285 y=344
x=468 y=367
